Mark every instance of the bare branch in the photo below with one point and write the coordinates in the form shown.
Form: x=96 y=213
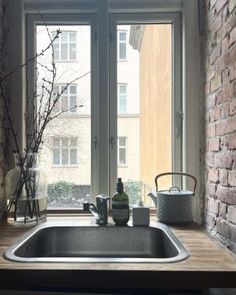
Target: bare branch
x=64 y=111
x=33 y=58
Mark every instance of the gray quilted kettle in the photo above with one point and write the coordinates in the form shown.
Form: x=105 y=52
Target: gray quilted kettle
x=174 y=206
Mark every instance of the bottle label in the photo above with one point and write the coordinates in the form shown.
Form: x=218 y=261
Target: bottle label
x=120 y=214
x=120 y=210
x=120 y=204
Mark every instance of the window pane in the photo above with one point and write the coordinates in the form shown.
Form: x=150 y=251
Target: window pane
x=56 y=156
x=65 y=156
x=147 y=74
x=122 y=95
x=72 y=89
x=73 y=156
x=65 y=142
x=122 y=156
x=64 y=37
x=72 y=36
x=72 y=51
x=56 y=142
x=64 y=51
x=53 y=34
x=64 y=89
x=122 y=106
x=73 y=104
x=122 y=89
x=122 y=36
x=56 y=51
x=56 y=89
x=73 y=142
x=122 y=141
x=56 y=108
x=64 y=103
x=72 y=134
x=122 y=51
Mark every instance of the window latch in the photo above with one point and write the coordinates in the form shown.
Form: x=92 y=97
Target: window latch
x=112 y=142
x=95 y=142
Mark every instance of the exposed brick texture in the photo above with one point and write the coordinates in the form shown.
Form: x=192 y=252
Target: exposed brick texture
x=219 y=56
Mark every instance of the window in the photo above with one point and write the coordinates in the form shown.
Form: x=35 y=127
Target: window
x=122 y=151
x=146 y=88
x=122 y=45
x=64 y=151
x=67 y=138
x=65 y=46
x=68 y=100
x=122 y=98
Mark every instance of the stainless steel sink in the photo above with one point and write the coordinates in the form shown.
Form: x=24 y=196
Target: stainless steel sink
x=70 y=242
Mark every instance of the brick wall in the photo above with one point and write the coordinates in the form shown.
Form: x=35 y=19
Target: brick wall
x=219 y=55
x=2 y=139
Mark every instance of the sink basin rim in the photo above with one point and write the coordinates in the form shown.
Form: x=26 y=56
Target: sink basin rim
x=9 y=254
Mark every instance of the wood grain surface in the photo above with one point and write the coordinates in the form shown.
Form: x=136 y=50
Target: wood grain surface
x=210 y=265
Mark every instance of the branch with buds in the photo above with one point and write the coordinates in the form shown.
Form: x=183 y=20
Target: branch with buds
x=41 y=103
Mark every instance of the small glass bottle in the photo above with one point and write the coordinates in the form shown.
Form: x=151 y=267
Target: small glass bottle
x=120 y=205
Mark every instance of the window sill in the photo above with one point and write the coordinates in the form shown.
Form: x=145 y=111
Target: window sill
x=75 y=212
x=65 y=166
x=122 y=60
x=67 y=61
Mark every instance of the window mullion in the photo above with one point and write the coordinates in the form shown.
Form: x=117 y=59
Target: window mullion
x=103 y=98
x=113 y=105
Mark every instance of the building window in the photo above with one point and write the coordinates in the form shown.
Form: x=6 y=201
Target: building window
x=64 y=151
x=68 y=100
x=122 y=150
x=122 y=45
x=122 y=98
x=65 y=46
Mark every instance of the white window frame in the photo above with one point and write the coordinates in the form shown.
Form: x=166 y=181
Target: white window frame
x=104 y=80
x=69 y=147
x=68 y=43
x=125 y=147
x=119 y=41
x=119 y=95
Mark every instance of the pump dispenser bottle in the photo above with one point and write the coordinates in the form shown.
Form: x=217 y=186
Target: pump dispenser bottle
x=120 y=205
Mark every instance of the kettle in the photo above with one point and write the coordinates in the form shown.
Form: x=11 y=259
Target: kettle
x=174 y=206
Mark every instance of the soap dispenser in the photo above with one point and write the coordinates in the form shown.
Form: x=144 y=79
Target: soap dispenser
x=120 y=205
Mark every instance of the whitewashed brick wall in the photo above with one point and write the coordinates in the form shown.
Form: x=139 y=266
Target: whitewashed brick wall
x=219 y=55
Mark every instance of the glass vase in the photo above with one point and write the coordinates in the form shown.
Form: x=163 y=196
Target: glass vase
x=26 y=190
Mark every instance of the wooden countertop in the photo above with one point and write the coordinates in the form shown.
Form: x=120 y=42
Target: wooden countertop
x=210 y=265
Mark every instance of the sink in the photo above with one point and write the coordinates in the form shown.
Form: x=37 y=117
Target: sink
x=73 y=242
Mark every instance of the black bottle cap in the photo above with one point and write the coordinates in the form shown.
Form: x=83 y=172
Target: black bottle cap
x=120 y=186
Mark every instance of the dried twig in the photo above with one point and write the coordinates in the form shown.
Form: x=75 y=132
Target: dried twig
x=36 y=122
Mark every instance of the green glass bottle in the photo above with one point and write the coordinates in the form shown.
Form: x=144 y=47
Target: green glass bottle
x=120 y=205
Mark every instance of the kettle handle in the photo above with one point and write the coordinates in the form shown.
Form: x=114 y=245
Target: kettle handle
x=177 y=173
